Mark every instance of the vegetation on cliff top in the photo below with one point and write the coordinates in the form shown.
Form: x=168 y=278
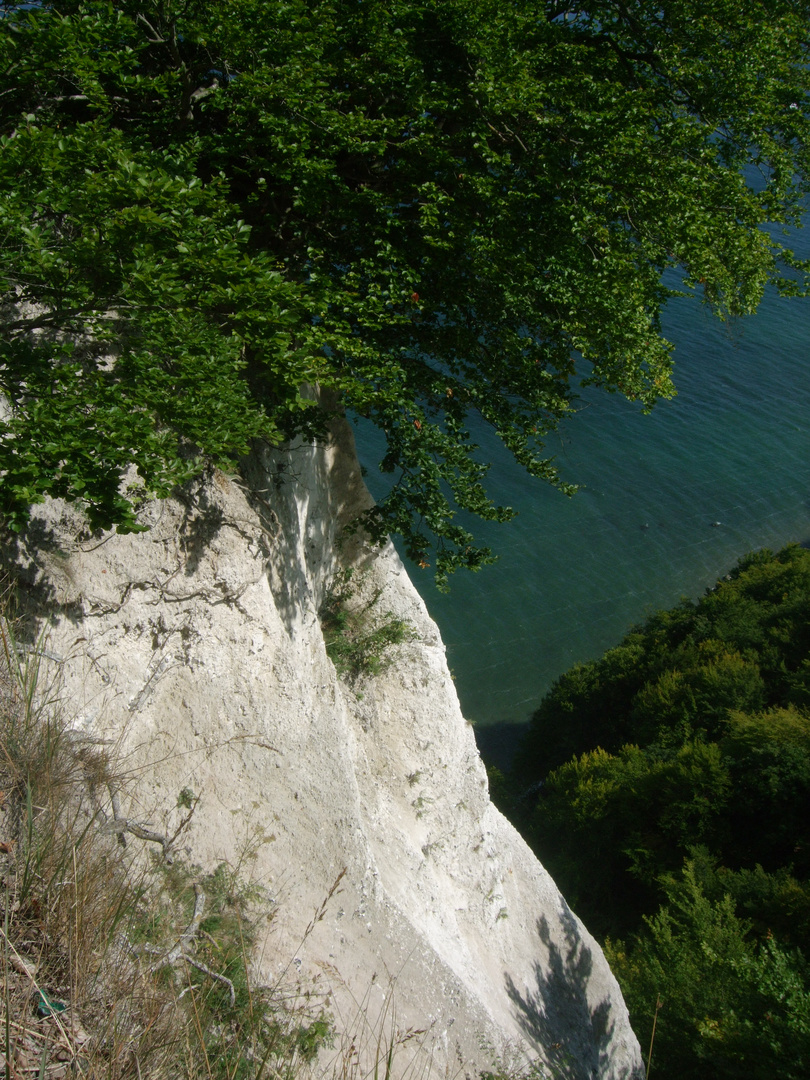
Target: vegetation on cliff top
x=358 y=633
x=671 y=802
x=438 y=210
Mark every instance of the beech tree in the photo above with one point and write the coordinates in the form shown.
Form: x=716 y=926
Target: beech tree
x=436 y=210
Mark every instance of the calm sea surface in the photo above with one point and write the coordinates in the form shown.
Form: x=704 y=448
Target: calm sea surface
x=667 y=503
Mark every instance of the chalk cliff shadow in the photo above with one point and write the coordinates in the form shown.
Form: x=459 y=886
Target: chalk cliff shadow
x=305 y=496
x=30 y=598
x=498 y=743
x=575 y=1037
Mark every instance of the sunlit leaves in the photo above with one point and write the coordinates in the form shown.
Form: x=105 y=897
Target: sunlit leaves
x=442 y=212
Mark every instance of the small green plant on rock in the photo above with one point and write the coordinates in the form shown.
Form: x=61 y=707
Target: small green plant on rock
x=357 y=634
x=206 y=927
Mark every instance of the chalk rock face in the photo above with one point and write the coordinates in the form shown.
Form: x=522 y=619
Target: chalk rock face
x=196 y=650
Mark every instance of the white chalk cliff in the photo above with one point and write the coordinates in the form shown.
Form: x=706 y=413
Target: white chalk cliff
x=196 y=649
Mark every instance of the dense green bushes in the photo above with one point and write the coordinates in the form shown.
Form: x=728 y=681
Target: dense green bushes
x=729 y=1002
x=671 y=800
x=744 y=645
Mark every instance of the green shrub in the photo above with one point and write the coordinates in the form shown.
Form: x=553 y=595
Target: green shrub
x=357 y=634
x=724 y=1004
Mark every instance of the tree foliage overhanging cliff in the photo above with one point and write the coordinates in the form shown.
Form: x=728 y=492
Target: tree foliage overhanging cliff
x=435 y=209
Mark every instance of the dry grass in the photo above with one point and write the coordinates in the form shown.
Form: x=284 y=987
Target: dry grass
x=372 y=1045
x=116 y=959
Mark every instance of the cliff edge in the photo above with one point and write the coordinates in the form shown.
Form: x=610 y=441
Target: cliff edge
x=196 y=649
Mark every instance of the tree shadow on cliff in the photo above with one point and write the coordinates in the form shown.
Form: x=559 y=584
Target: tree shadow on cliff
x=202 y=521
x=282 y=485
x=29 y=595
x=556 y=1015
x=306 y=496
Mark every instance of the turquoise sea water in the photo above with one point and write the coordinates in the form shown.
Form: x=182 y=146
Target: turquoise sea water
x=667 y=503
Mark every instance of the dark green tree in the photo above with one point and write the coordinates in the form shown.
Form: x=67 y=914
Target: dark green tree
x=435 y=210
x=681 y=822
x=743 y=646
x=724 y=1005
x=608 y=827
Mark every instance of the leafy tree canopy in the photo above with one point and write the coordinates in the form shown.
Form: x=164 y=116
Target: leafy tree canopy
x=435 y=210
x=725 y=1005
x=695 y=730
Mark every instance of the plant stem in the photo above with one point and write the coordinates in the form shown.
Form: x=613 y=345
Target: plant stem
x=658 y=1004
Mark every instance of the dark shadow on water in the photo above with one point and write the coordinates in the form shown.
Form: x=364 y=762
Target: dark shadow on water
x=498 y=743
x=575 y=1037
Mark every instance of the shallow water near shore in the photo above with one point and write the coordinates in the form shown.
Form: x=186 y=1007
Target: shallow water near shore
x=667 y=504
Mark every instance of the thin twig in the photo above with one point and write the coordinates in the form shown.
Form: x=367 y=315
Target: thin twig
x=179 y=951
x=658 y=1004
x=121 y=825
x=212 y=974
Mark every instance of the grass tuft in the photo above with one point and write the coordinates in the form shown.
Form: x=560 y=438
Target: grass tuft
x=358 y=635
